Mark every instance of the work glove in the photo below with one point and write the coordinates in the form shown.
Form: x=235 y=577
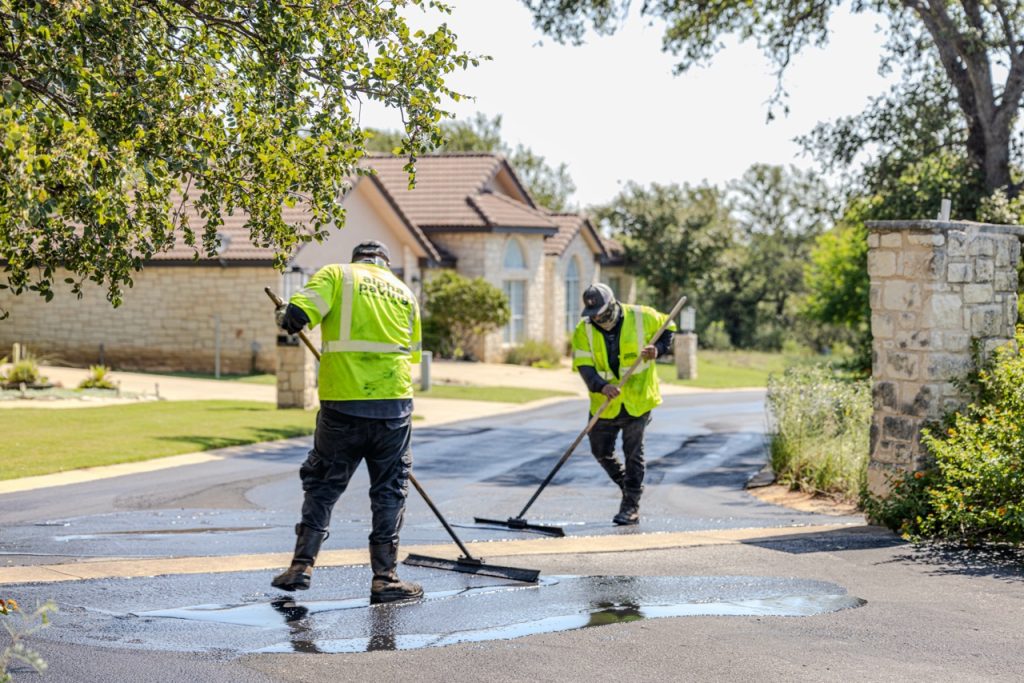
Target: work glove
x=610 y=390
x=290 y=318
x=649 y=352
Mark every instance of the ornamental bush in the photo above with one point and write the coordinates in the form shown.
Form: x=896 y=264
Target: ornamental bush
x=974 y=489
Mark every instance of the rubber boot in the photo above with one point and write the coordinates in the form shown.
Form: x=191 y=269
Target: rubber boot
x=386 y=586
x=629 y=509
x=299 y=574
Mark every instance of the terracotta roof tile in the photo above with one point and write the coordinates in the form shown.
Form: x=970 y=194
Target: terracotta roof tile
x=443 y=183
x=505 y=212
x=569 y=225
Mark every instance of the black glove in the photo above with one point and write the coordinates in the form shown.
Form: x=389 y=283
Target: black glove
x=291 y=318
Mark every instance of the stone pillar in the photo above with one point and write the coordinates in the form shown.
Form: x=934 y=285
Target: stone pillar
x=939 y=290
x=296 y=372
x=685 y=350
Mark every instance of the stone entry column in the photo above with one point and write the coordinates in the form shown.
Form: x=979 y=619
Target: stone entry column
x=938 y=290
x=296 y=372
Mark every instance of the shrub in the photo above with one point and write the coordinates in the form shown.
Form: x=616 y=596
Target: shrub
x=819 y=425
x=974 y=489
x=715 y=337
x=459 y=310
x=537 y=354
x=26 y=370
x=98 y=378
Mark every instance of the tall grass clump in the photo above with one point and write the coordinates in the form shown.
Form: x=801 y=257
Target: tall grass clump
x=819 y=425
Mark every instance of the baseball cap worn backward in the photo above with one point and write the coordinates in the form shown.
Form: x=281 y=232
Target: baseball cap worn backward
x=596 y=299
x=371 y=248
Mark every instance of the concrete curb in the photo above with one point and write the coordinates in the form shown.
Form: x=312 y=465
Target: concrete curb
x=136 y=568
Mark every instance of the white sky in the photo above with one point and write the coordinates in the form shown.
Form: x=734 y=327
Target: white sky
x=613 y=112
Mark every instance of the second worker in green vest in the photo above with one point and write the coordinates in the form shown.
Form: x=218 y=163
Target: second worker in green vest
x=606 y=343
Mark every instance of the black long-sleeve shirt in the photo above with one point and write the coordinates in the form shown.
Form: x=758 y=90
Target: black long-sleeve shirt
x=593 y=380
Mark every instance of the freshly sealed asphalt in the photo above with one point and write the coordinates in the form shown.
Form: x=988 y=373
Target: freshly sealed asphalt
x=713 y=585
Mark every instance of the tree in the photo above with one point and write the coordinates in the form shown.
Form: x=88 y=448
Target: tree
x=460 y=310
x=965 y=39
x=550 y=186
x=778 y=213
x=115 y=112
x=673 y=236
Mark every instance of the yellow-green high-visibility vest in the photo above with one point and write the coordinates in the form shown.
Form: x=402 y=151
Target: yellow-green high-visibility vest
x=641 y=393
x=370 y=326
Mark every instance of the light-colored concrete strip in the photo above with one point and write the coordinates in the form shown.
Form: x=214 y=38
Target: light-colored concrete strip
x=105 y=472
x=134 y=568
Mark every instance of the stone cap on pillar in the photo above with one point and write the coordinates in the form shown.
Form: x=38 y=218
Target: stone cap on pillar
x=946 y=226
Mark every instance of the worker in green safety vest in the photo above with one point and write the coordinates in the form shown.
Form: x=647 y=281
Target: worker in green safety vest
x=604 y=345
x=370 y=328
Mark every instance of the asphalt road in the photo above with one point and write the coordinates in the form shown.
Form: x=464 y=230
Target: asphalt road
x=774 y=605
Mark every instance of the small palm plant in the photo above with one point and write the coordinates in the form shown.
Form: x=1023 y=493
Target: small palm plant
x=99 y=378
x=25 y=371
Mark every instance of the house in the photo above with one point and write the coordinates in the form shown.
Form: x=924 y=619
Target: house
x=468 y=212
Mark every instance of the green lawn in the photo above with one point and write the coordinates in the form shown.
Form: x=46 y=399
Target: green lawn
x=41 y=440
x=735 y=369
x=478 y=393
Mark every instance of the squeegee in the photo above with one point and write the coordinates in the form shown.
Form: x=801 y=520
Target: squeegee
x=519 y=523
x=467 y=564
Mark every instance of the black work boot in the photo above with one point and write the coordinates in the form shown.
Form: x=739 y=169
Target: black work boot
x=307 y=546
x=386 y=586
x=629 y=509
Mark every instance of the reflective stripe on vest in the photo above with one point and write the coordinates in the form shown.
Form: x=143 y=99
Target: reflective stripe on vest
x=345 y=343
x=641 y=340
x=606 y=375
x=322 y=306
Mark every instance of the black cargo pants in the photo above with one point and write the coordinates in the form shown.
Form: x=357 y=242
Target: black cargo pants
x=602 y=444
x=339 y=444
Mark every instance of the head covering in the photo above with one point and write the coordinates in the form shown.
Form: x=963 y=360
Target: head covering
x=596 y=300
x=371 y=249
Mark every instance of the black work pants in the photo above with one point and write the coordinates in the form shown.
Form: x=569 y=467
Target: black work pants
x=602 y=444
x=339 y=444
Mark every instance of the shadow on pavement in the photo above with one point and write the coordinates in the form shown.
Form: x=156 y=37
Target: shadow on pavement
x=998 y=562
x=857 y=538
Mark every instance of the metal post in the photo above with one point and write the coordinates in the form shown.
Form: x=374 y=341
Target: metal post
x=216 y=343
x=425 y=359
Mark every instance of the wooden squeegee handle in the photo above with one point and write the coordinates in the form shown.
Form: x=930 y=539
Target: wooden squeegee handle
x=593 y=420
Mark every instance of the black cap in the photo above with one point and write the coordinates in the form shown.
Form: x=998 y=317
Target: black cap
x=371 y=248
x=596 y=298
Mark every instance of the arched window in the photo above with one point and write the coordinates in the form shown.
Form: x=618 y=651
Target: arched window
x=514 y=286
x=572 y=295
x=514 y=257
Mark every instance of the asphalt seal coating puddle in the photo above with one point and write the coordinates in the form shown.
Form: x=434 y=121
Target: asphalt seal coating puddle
x=483 y=613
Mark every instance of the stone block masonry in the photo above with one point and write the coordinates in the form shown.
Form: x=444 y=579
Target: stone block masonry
x=939 y=290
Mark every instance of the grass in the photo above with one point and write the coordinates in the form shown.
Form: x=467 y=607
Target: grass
x=736 y=369
x=501 y=394
x=42 y=441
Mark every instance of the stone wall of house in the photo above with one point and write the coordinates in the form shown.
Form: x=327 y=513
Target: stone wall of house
x=482 y=254
x=167 y=321
x=938 y=290
x=556 y=331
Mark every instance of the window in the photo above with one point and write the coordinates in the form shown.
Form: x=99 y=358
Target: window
x=292 y=281
x=615 y=284
x=572 y=295
x=514 y=257
x=515 y=330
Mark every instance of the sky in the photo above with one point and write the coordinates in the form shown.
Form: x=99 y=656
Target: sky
x=613 y=112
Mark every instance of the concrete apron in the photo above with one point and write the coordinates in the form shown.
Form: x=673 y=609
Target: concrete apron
x=135 y=568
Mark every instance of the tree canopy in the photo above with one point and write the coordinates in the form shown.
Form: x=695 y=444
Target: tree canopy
x=550 y=186
x=961 y=40
x=114 y=112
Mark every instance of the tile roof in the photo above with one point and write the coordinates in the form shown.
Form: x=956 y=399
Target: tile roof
x=569 y=225
x=454 y=191
x=235 y=237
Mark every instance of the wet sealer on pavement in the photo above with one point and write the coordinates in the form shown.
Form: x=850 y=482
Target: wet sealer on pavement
x=458 y=608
